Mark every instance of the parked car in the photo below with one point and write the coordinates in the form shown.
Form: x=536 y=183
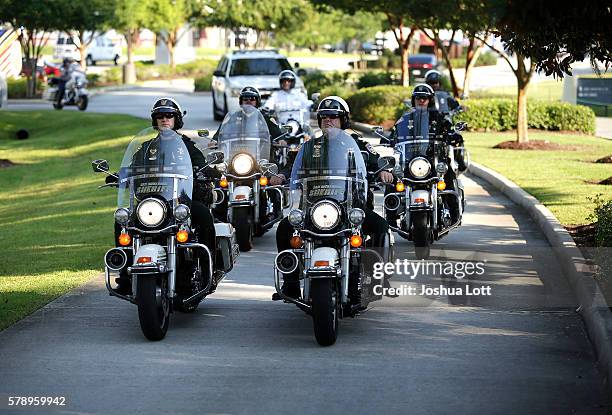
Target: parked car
x=102 y=48
x=237 y=69
x=419 y=64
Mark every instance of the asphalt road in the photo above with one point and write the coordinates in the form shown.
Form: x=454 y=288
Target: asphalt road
x=522 y=349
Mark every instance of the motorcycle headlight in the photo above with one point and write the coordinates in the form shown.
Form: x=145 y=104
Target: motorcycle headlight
x=242 y=164
x=419 y=167
x=325 y=215
x=296 y=217
x=356 y=216
x=441 y=168
x=122 y=216
x=151 y=212
x=181 y=212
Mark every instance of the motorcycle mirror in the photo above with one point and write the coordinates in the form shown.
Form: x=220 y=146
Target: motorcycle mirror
x=377 y=130
x=203 y=133
x=100 y=166
x=270 y=168
x=315 y=96
x=460 y=126
x=287 y=128
x=214 y=157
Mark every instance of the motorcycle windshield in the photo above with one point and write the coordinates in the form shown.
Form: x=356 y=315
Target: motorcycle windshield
x=244 y=131
x=408 y=150
x=329 y=167
x=155 y=164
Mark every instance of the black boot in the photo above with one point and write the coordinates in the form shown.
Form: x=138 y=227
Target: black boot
x=290 y=289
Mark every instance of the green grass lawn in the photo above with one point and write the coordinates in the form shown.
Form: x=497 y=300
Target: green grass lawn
x=559 y=179
x=546 y=90
x=55 y=223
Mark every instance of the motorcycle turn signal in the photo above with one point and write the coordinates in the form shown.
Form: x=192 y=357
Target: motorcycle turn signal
x=400 y=186
x=441 y=185
x=356 y=241
x=125 y=239
x=182 y=236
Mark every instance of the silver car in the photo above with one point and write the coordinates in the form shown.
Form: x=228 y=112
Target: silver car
x=237 y=69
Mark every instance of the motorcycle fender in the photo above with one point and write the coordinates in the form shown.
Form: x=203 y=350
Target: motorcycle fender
x=419 y=194
x=241 y=194
x=83 y=92
x=327 y=256
x=157 y=253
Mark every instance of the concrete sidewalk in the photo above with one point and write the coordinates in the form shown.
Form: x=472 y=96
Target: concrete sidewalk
x=603 y=127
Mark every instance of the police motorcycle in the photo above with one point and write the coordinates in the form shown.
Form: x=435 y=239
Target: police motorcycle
x=75 y=92
x=295 y=120
x=421 y=198
x=244 y=140
x=160 y=253
x=328 y=186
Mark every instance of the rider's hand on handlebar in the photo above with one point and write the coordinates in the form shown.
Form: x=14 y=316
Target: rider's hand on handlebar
x=385 y=176
x=277 y=179
x=281 y=143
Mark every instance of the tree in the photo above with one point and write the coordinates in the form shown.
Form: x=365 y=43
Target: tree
x=555 y=36
x=85 y=19
x=32 y=19
x=167 y=18
x=130 y=17
x=398 y=14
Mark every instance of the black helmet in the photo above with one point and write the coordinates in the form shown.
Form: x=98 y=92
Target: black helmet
x=287 y=75
x=168 y=105
x=432 y=77
x=423 y=90
x=334 y=105
x=250 y=91
x=67 y=61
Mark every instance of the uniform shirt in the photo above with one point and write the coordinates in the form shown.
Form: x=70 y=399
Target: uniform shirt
x=283 y=100
x=445 y=102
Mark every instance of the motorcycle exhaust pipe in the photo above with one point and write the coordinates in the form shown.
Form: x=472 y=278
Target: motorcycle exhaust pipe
x=392 y=203
x=286 y=262
x=115 y=259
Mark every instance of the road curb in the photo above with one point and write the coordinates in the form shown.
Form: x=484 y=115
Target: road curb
x=591 y=302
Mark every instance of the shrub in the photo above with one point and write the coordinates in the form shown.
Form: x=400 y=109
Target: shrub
x=379 y=103
x=500 y=115
x=316 y=81
x=203 y=83
x=17 y=87
x=369 y=79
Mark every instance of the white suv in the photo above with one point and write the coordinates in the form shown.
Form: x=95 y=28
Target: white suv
x=258 y=68
x=101 y=49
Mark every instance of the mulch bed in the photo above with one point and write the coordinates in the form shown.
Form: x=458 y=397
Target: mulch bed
x=606 y=159
x=5 y=163
x=584 y=235
x=607 y=181
x=543 y=145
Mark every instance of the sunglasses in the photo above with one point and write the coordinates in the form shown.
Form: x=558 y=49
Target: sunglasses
x=249 y=99
x=422 y=99
x=330 y=116
x=166 y=115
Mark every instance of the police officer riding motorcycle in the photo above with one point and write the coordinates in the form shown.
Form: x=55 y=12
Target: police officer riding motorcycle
x=331 y=236
x=428 y=197
x=169 y=254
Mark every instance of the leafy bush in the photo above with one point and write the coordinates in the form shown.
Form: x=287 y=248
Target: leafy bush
x=500 y=115
x=203 y=83
x=17 y=87
x=198 y=68
x=369 y=79
x=316 y=81
x=388 y=60
x=340 y=90
x=379 y=103
x=603 y=212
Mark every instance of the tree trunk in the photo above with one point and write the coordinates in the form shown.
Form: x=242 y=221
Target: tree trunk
x=523 y=76
x=405 y=73
x=130 y=45
x=83 y=49
x=521 y=112
x=470 y=62
x=170 y=46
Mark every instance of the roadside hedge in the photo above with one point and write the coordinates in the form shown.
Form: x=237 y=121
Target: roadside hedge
x=17 y=87
x=500 y=115
x=379 y=103
x=203 y=83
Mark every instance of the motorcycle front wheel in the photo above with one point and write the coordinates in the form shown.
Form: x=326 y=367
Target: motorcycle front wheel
x=324 y=311
x=153 y=306
x=421 y=236
x=241 y=220
x=83 y=102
